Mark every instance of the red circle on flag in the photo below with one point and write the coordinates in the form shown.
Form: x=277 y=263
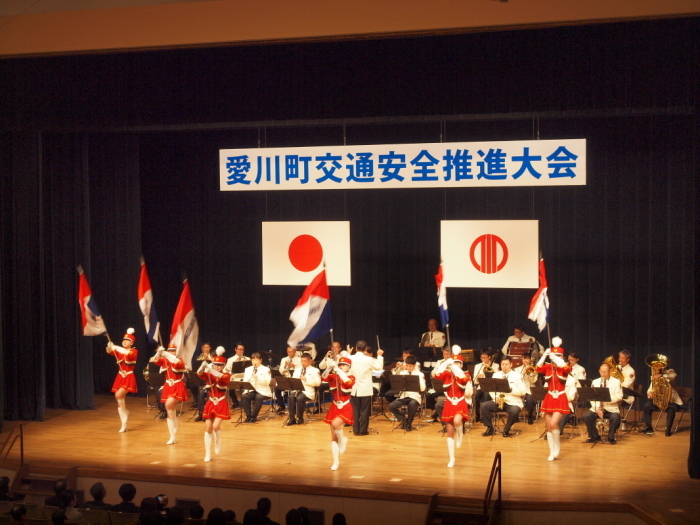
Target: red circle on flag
x=305 y=253
x=492 y=253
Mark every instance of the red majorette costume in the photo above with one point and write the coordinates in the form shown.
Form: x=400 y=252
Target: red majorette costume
x=455 y=403
x=555 y=400
x=126 y=361
x=217 y=405
x=174 y=369
x=340 y=390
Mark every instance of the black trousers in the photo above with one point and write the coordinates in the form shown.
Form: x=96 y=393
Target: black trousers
x=590 y=419
x=361 y=407
x=297 y=403
x=413 y=405
x=252 y=402
x=489 y=408
x=650 y=407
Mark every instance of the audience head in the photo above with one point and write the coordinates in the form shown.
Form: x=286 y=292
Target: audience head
x=264 y=506
x=253 y=517
x=339 y=519
x=174 y=516
x=229 y=516
x=293 y=517
x=216 y=517
x=197 y=512
x=162 y=501
x=67 y=499
x=97 y=491
x=19 y=513
x=127 y=492
x=59 y=517
x=60 y=486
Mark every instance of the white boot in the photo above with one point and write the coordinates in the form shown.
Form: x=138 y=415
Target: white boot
x=335 y=451
x=217 y=441
x=171 y=429
x=556 y=438
x=207 y=447
x=342 y=440
x=459 y=430
x=550 y=442
x=124 y=417
x=451 y=452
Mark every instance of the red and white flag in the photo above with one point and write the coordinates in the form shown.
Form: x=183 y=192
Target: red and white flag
x=185 y=330
x=92 y=322
x=490 y=254
x=295 y=252
x=145 y=296
x=539 y=306
x=312 y=315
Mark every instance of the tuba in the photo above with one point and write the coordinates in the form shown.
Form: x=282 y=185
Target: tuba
x=660 y=387
x=614 y=371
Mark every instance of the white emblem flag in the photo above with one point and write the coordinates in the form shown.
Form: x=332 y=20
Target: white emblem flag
x=490 y=254
x=295 y=252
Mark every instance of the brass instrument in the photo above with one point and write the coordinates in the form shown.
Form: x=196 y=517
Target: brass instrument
x=660 y=387
x=398 y=368
x=531 y=372
x=500 y=401
x=489 y=368
x=614 y=371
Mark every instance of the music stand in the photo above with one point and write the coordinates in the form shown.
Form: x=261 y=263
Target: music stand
x=289 y=384
x=424 y=354
x=404 y=383
x=378 y=377
x=495 y=385
x=634 y=426
x=589 y=394
x=239 y=386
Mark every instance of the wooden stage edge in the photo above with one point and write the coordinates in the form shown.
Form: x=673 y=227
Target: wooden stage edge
x=645 y=476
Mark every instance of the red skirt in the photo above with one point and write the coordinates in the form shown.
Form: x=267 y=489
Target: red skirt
x=450 y=410
x=220 y=410
x=128 y=382
x=344 y=413
x=178 y=391
x=552 y=404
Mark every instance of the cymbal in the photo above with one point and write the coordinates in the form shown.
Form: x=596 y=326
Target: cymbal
x=270 y=355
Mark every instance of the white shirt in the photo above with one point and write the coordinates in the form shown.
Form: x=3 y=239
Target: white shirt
x=234 y=359
x=478 y=369
x=629 y=375
x=310 y=377
x=284 y=365
x=524 y=339
x=527 y=380
x=421 y=382
x=572 y=381
x=362 y=366
x=260 y=378
x=615 y=388
x=517 y=389
x=436 y=339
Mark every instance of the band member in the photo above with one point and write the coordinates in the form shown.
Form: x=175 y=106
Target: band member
x=310 y=378
x=174 y=389
x=674 y=405
x=480 y=370
x=216 y=409
x=238 y=356
x=341 y=411
x=431 y=397
x=623 y=358
x=571 y=386
x=555 y=404
x=519 y=336
x=604 y=409
x=199 y=392
x=412 y=399
x=457 y=385
x=288 y=365
x=390 y=395
x=125 y=382
x=363 y=362
x=259 y=376
x=529 y=377
x=512 y=402
x=432 y=337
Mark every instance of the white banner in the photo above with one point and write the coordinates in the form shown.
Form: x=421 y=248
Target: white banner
x=295 y=252
x=432 y=165
x=490 y=254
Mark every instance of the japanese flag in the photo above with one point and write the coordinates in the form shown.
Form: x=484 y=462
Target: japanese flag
x=295 y=252
x=490 y=254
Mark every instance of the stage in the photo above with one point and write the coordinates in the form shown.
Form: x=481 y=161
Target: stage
x=649 y=472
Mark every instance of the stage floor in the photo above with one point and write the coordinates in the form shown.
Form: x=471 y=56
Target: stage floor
x=648 y=471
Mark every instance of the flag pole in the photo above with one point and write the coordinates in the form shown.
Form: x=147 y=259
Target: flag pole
x=447 y=329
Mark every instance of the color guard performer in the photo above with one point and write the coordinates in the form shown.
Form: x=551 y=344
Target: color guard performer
x=457 y=385
x=340 y=413
x=125 y=382
x=216 y=409
x=555 y=403
x=174 y=390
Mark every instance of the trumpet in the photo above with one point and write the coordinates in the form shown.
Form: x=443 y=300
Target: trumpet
x=501 y=401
